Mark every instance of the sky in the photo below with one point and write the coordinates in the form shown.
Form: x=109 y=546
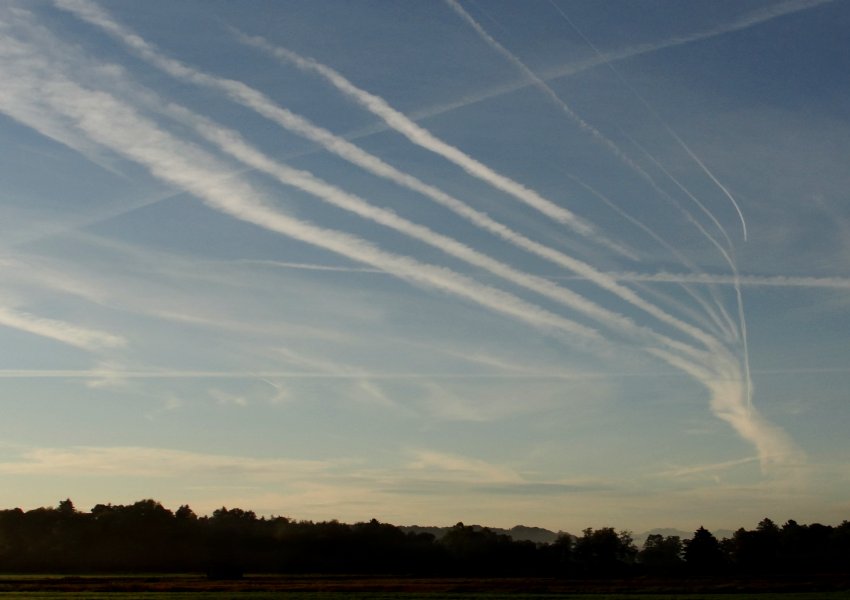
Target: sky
x=563 y=263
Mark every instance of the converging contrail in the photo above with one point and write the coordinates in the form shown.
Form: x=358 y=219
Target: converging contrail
x=741 y=423
x=252 y=98
x=722 y=320
x=122 y=128
x=231 y=142
x=742 y=320
x=256 y=100
x=597 y=135
x=404 y=125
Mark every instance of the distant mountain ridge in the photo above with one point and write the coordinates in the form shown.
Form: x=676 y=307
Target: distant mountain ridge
x=540 y=535
x=519 y=533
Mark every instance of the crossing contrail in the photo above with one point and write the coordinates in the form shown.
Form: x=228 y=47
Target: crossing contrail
x=232 y=142
x=256 y=100
x=584 y=125
x=122 y=129
x=745 y=21
x=404 y=125
x=739 y=419
x=664 y=124
x=742 y=320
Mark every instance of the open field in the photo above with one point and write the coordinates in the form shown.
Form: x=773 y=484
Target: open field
x=260 y=587
x=408 y=596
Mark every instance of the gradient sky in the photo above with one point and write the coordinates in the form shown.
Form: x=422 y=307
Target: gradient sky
x=560 y=263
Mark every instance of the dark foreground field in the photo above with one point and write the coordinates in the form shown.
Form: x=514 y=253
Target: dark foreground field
x=260 y=587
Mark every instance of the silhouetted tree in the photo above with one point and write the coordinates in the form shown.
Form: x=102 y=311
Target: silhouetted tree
x=559 y=559
x=703 y=554
x=604 y=552
x=147 y=537
x=662 y=554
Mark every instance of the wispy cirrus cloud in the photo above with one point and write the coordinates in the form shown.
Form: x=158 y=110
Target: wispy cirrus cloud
x=138 y=461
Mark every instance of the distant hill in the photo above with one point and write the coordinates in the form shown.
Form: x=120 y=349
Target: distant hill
x=519 y=533
x=539 y=535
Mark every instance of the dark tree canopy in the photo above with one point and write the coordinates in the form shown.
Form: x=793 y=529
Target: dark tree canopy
x=147 y=537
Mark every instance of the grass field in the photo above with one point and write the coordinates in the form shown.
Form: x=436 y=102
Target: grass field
x=317 y=587
x=339 y=595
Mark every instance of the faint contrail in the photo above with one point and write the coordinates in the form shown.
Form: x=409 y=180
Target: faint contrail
x=663 y=123
x=746 y=280
x=722 y=323
x=584 y=125
x=837 y=283
x=503 y=373
x=61 y=331
x=729 y=257
x=745 y=21
x=544 y=88
x=541 y=85
x=743 y=424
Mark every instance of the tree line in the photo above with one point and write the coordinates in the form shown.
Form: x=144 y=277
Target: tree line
x=147 y=537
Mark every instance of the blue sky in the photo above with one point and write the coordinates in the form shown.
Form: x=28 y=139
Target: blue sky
x=561 y=263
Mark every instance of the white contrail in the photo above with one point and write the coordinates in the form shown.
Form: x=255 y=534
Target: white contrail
x=61 y=331
x=232 y=143
x=252 y=98
x=730 y=257
x=584 y=125
x=540 y=84
x=729 y=403
x=725 y=323
x=399 y=122
x=338 y=242
x=545 y=89
x=91 y=13
x=402 y=124
x=613 y=147
x=118 y=127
